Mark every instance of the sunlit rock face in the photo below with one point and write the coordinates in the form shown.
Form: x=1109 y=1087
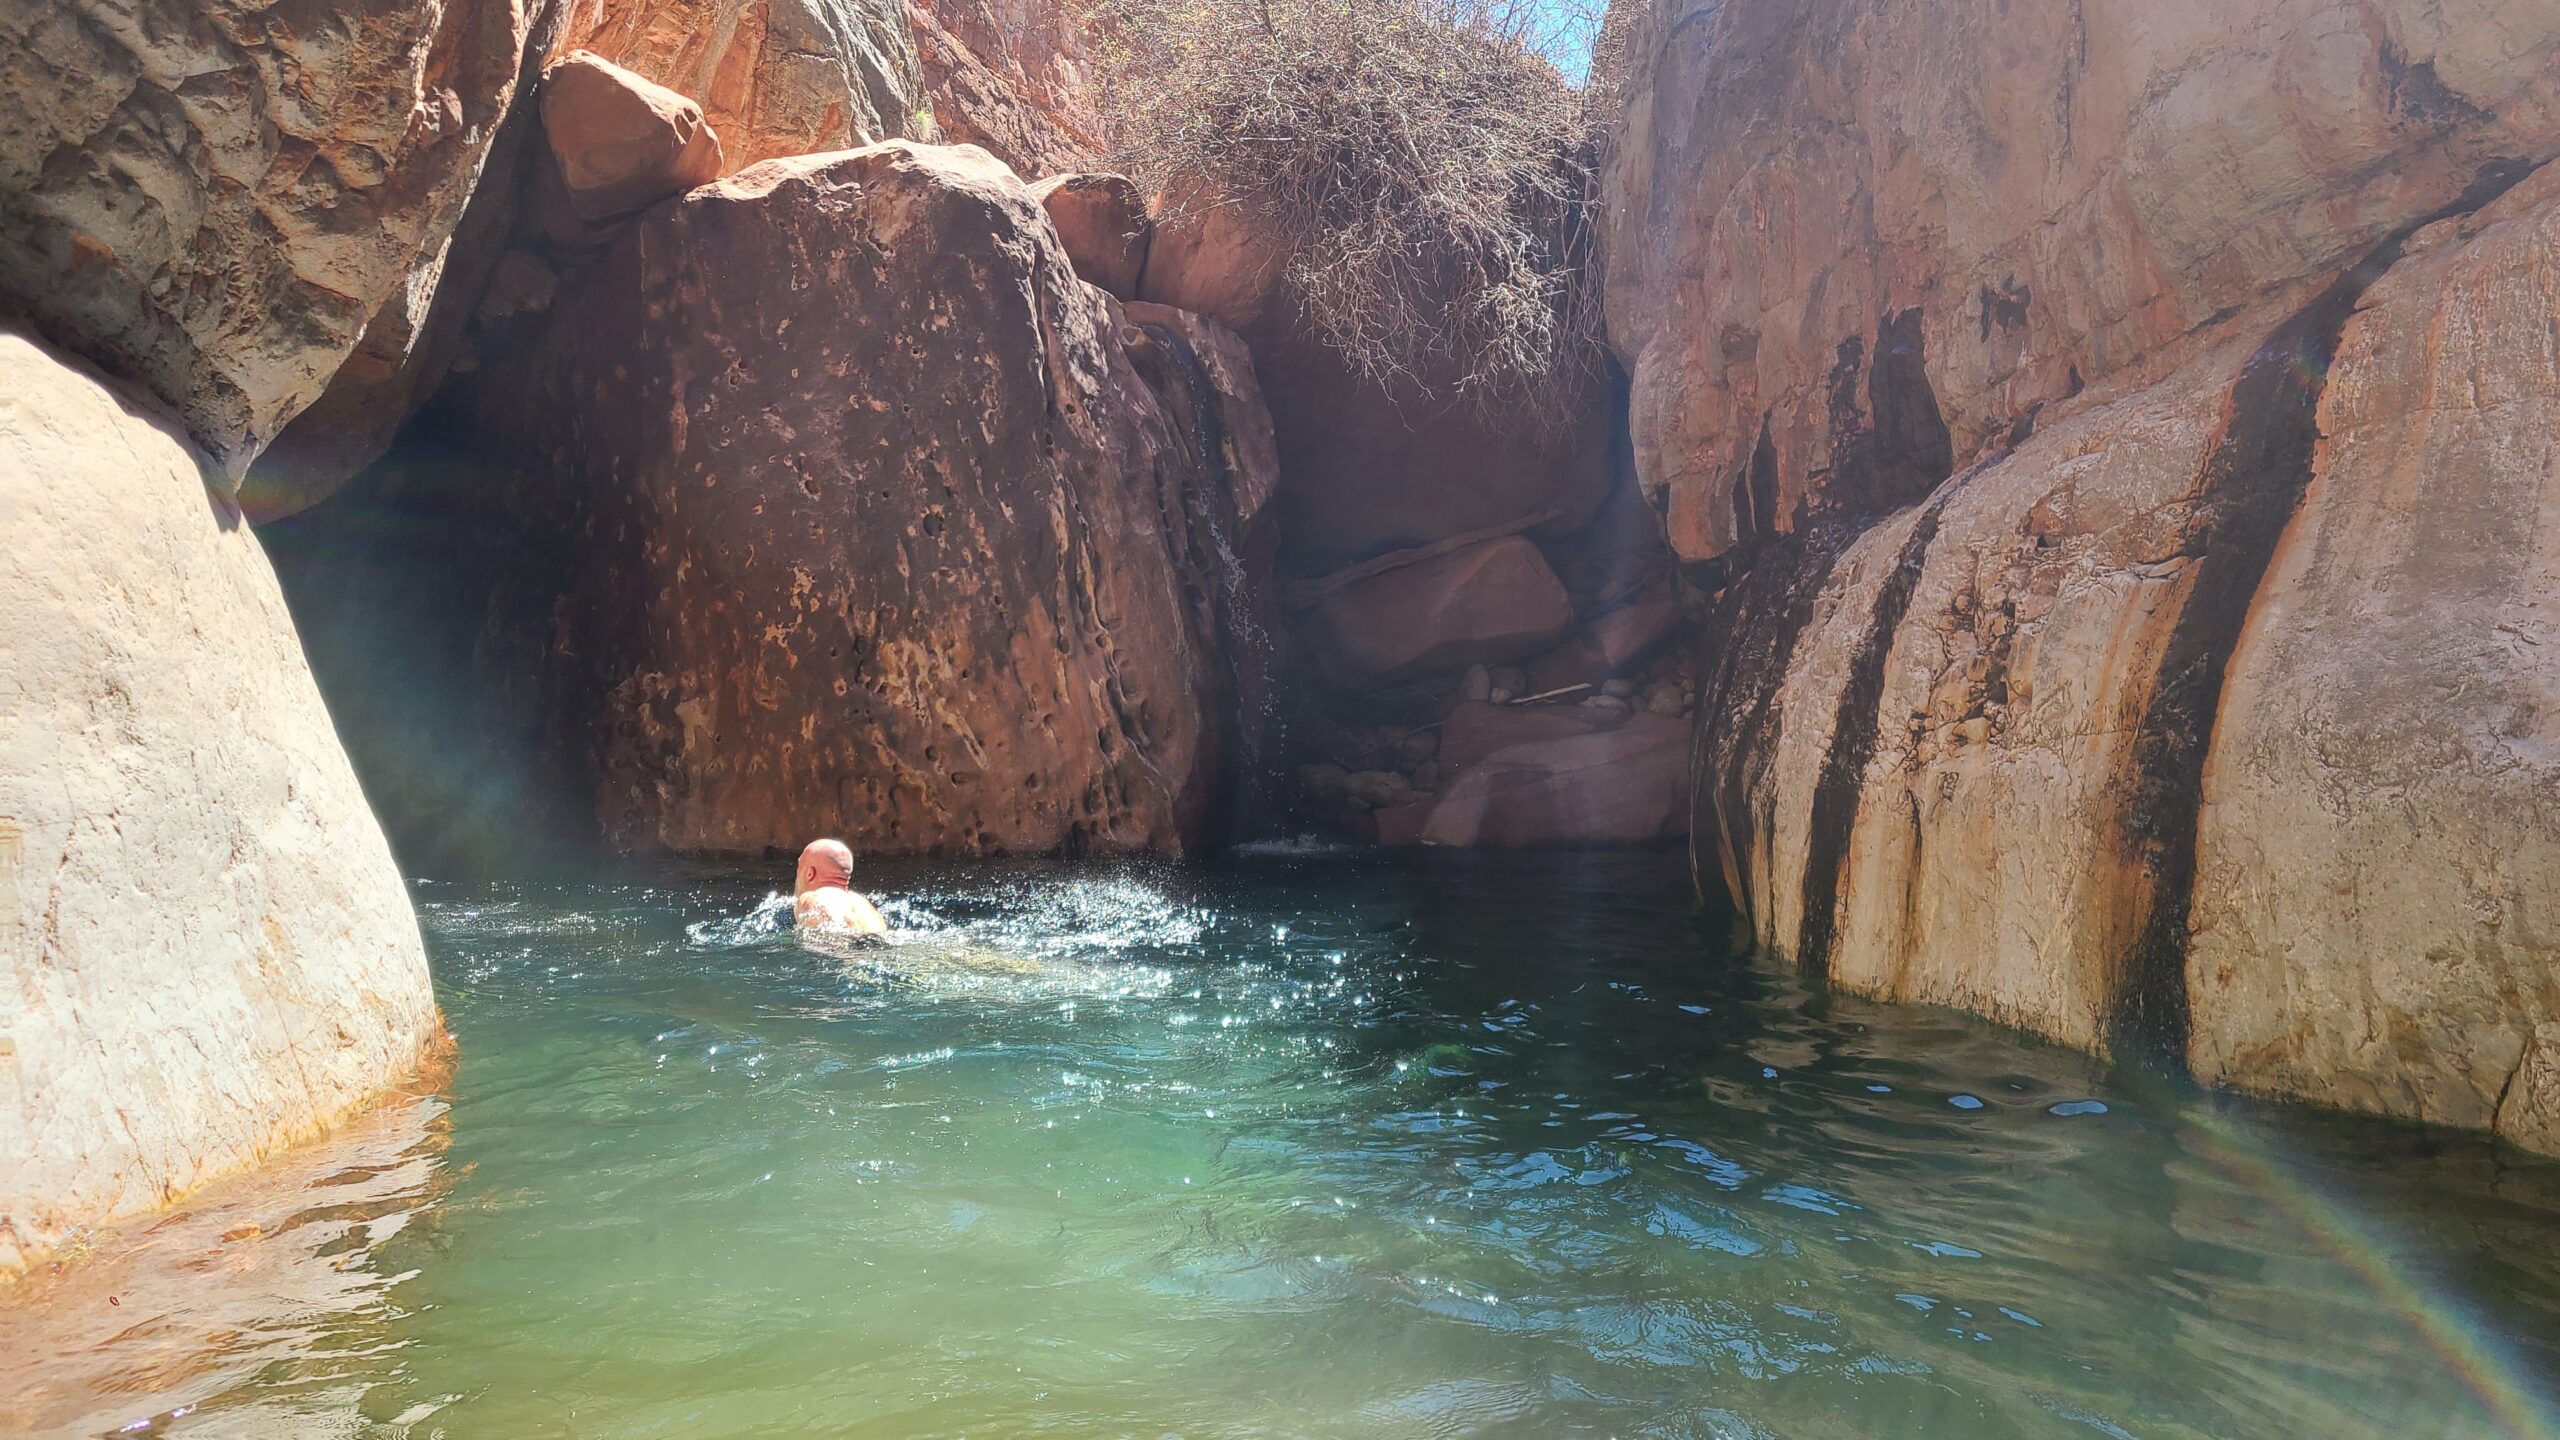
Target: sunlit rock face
x=877 y=530
x=215 y=200
x=1009 y=76
x=775 y=77
x=2122 y=474
x=206 y=952
x=2004 y=203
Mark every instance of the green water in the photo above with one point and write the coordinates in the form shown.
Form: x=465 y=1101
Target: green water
x=1335 y=1146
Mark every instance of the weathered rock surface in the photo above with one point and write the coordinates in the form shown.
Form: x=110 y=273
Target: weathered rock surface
x=924 y=567
x=2044 y=394
x=2107 y=741
x=775 y=77
x=1363 y=470
x=206 y=950
x=214 y=202
x=1821 y=213
x=1483 y=603
x=621 y=141
x=1008 y=76
x=1103 y=220
x=2377 y=902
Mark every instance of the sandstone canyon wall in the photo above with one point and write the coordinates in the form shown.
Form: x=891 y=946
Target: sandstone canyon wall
x=2118 y=445
x=213 y=201
x=209 y=954
x=205 y=951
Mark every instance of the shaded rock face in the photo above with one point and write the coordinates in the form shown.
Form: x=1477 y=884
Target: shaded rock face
x=1820 y=212
x=925 y=565
x=215 y=201
x=1364 y=470
x=416 y=335
x=774 y=77
x=206 y=950
x=621 y=142
x=1489 y=602
x=1103 y=220
x=1008 y=76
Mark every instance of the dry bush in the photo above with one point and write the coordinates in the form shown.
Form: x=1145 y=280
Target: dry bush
x=1427 y=172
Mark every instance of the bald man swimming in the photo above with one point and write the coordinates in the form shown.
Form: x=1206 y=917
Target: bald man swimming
x=823 y=897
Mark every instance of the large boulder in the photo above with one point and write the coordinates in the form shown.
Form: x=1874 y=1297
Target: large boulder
x=215 y=202
x=621 y=142
x=1103 y=220
x=2209 y=722
x=207 y=951
x=1368 y=467
x=1482 y=603
x=774 y=77
x=925 y=566
x=1847 y=238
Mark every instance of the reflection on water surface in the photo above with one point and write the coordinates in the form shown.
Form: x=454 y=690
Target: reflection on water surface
x=1311 y=1144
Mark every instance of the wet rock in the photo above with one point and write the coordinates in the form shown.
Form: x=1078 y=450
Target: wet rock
x=216 y=203
x=1494 y=601
x=773 y=77
x=929 y=575
x=621 y=143
x=1244 y=429
x=1103 y=221
x=212 y=962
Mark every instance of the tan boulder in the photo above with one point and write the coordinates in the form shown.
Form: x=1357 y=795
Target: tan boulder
x=1103 y=220
x=773 y=77
x=216 y=202
x=1475 y=729
x=1605 y=787
x=918 y=568
x=208 y=952
x=620 y=142
x=1484 y=603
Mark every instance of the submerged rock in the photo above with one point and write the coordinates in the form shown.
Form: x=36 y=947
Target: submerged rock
x=208 y=951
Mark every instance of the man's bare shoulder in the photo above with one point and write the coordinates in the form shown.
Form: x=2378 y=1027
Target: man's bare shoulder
x=836 y=909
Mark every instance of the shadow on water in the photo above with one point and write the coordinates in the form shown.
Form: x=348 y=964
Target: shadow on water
x=1318 y=1142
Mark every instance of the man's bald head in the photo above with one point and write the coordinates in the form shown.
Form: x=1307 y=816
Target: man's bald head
x=825 y=864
